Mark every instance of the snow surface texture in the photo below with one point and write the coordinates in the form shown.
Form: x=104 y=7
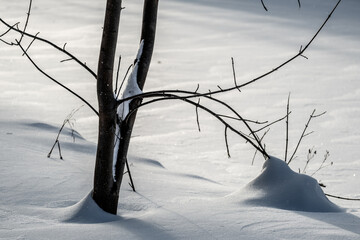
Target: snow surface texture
x=187 y=188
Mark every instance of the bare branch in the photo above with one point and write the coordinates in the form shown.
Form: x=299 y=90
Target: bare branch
x=311 y=154
x=28 y=47
x=227 y=143
x=247 y=120
x=57 y=82
x=130 y=177
x=304 y=134
x=51 y=44
x=66 y=60
x=197 y=88
x=117 y=75
x=299 y=54
x=272 y=123
x=26 y=22
x=197 y=115
x=263 y=4
x=122 y=82
x=255 y=142
x=342 y=198
x=67 y=120
x=326 y=156
x=287 y=128
x=253 y=160
x=9 y=29
x=234 y=76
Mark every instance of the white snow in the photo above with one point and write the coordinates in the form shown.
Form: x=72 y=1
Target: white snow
x=280 y=187
x=187 y=188
x=131 y=89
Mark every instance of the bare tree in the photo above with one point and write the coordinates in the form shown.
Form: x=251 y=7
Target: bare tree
x=115 y=124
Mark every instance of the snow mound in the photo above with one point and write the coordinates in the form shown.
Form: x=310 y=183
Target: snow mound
x=86 y=211
x=279 y=187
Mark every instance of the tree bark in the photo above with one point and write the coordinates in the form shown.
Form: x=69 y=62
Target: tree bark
x=106 y=188
x=103 y=193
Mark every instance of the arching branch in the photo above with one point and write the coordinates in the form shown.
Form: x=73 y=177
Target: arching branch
x=36 y=37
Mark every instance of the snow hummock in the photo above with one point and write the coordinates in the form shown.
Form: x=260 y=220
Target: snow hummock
x=86 y=211
x=131 y=89
x=280 y=187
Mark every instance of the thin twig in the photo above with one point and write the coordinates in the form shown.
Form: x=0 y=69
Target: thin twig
x=51 y=44
x=27 y=21
x=58 y=143
x=255 y=142
x=272 y=123
x=304 y=134
x=30 y=44
x=197 y=115
x=122 y=82
x=287 y=128
x=311 y=154
x=197 y=88
x=342 y=198
x=130 y=177
x=253 y=160
x=300 y=53
x=326 y=156
x=164 y=96
x=66 y=60
x=117 y=74
x=247 y=120
x=9 y=29
x=66 y=120
x=172 y=94
x=234 y=75
x=263 y=4
x=226 y=142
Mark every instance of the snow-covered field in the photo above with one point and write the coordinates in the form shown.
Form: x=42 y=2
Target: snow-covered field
x=187 y=188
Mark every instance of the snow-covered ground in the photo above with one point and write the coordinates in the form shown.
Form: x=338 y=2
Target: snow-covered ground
x=187 y=188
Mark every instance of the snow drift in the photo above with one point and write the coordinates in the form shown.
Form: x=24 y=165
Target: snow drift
x=280 y=187
x=86 y=211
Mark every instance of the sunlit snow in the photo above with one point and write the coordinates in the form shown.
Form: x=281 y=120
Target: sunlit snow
x=187 y=187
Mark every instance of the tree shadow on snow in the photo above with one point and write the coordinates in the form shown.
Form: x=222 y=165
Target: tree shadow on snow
x=343 y=220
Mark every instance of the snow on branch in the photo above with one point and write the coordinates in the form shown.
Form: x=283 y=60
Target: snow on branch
x=131 y=89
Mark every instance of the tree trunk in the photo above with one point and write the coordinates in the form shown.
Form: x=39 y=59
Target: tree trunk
x=106 y=189
x=103 y=180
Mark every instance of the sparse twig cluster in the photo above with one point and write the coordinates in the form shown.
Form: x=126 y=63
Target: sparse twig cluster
x=303 y=134
x=311 y=155
x=68 y=120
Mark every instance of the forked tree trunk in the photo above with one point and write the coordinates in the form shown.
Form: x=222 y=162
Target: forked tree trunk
x=106 y=189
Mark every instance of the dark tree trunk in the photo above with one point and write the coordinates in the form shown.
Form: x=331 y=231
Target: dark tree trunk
x=103 y=180
x=106 y=189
